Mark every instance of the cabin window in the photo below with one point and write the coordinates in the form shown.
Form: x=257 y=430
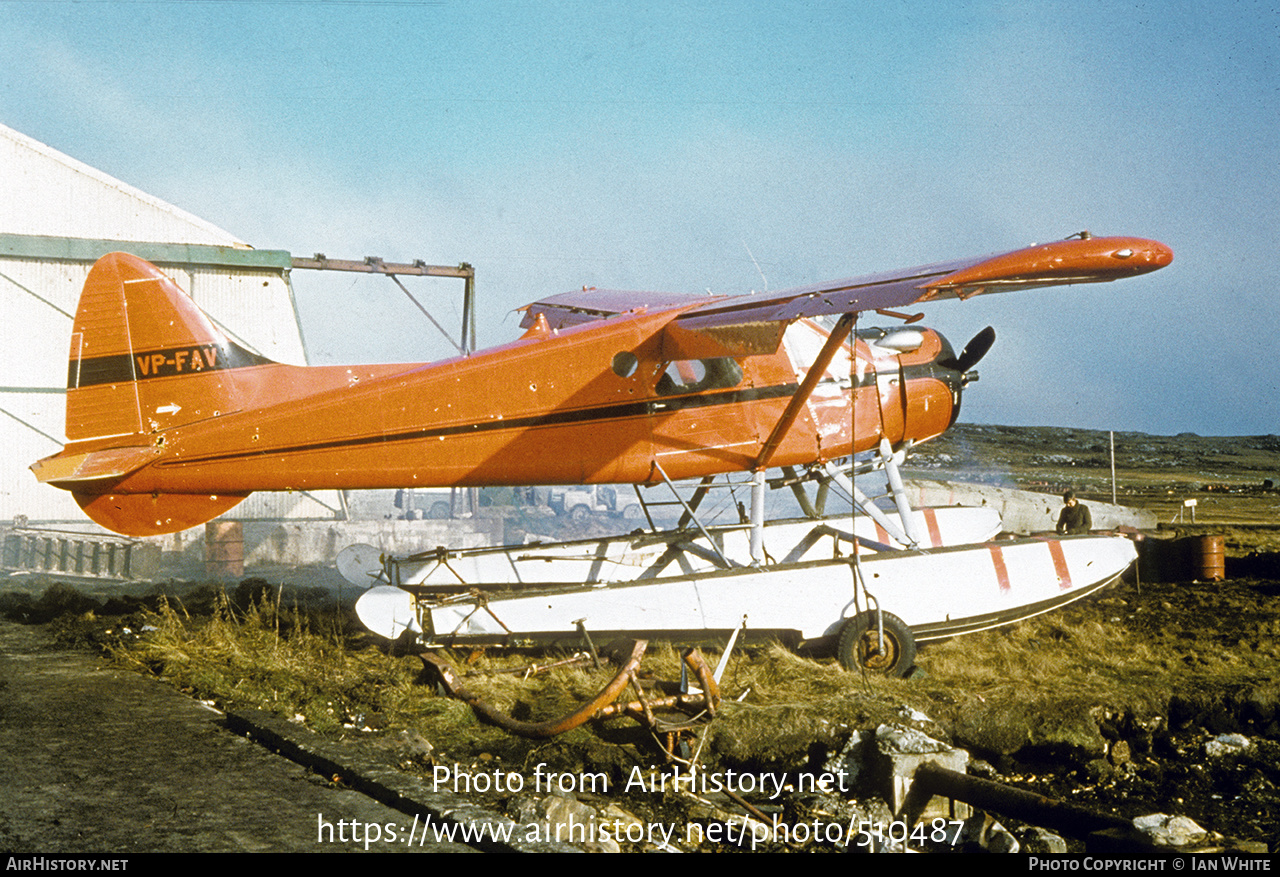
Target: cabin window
x=696 y=375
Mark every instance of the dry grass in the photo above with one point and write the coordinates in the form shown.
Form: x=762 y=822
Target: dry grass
x=1079 y=654
x=273 y=658
x=1043 y=683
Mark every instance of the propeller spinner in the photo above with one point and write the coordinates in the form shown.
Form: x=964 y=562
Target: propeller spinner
x=972 y=354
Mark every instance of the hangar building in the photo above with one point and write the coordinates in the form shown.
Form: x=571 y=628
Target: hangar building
x=57 y=217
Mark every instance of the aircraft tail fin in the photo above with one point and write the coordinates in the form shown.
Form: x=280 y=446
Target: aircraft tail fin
x=143 y=357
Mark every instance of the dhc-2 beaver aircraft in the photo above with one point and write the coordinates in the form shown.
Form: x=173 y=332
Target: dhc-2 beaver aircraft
x=170 y=423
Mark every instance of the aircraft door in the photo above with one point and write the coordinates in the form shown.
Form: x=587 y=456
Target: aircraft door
x=699 y=409
x=828 y=405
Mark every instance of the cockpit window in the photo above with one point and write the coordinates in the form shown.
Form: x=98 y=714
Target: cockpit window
x=696 y=375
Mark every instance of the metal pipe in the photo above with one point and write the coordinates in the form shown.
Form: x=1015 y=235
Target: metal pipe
x=1070 y=819
x=693 y=517
x=699 y=494
x=797 y=487
x=456 y=346
x=869 y=508
x=453 y=685
x=469 y=309
x=1113 y=468
x=899 y=491
x=374 y=265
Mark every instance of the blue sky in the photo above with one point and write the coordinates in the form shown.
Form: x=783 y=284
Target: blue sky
x=676 y=145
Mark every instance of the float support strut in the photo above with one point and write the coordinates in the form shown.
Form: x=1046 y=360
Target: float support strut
x=757 y=517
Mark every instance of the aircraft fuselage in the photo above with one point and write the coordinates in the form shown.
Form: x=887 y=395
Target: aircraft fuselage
x=546 y=410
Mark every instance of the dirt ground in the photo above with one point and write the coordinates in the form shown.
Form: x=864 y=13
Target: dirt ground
x=1216 y=650
x=102 y=761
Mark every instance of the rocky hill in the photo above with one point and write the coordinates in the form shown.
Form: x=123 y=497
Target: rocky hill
x=1233 y=479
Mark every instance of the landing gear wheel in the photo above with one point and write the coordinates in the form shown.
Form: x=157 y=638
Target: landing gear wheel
x=859 y=645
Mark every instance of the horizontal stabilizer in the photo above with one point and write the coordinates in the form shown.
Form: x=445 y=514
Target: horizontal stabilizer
x=67 y=471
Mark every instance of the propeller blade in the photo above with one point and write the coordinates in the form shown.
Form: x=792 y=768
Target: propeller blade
x=974 y=351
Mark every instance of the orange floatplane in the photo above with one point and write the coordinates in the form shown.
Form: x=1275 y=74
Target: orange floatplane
x=170 y=423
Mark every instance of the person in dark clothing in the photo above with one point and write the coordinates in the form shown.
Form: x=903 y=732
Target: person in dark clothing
x=1075 y=519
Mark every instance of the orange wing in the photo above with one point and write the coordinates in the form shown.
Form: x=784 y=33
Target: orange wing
x=751 y=324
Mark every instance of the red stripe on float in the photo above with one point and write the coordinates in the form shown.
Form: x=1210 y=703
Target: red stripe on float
x=935 y=533
x=1060 y=564
x=1002 y=572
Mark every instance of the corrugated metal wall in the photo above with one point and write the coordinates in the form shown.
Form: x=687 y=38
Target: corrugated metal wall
x=48 y=193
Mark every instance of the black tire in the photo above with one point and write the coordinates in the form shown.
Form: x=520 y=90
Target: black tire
x=440 y=511
x=580 y=513
x=859 y=645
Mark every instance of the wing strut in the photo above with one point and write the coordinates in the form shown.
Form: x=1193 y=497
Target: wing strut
x=807 y=386
x=816 y=370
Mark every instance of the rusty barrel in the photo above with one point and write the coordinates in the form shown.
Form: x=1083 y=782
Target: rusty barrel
x=224 y=549
x=1210 y=558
